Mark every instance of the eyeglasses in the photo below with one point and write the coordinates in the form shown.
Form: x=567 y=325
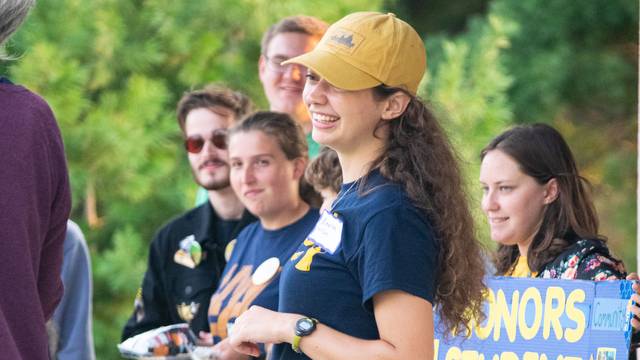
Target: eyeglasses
x=275 y=64
x=195 y=143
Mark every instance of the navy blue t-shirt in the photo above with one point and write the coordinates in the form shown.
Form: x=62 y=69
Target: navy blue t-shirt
x=254 y=245
x=386 y=244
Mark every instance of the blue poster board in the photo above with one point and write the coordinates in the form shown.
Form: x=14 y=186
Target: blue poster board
x=536 y=319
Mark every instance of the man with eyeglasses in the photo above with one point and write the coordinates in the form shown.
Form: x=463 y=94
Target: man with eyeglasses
x=283 y=84
x=186 y=256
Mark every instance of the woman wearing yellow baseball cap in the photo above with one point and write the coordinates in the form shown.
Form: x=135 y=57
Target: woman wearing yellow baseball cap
x=399 y=237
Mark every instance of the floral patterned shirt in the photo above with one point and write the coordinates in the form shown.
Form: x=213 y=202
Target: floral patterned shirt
x=584 y=260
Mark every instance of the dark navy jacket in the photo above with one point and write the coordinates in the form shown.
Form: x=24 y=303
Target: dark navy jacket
x=168 y=284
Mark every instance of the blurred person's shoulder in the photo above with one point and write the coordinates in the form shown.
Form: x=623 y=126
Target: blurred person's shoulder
x=14 y=92
x=74 y=240
x=19 y=103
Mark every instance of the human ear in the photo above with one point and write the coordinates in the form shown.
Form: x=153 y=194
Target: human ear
x=261 y=66
x=395 y=105
x=551 y=191
x=299 y=165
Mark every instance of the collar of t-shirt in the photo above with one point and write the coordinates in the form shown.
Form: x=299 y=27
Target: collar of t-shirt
x=521 y=268
x=371 y=180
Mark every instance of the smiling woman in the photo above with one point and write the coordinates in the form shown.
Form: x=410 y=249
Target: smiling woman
x=267 y=158
x=399 y=237
x=539 y=209
x=513 y=201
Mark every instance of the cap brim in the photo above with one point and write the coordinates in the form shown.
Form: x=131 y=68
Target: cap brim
x=335 y=70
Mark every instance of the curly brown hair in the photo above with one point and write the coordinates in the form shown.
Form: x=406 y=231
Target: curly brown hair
x=542 y=153
x=419 y=156
x=324 y=172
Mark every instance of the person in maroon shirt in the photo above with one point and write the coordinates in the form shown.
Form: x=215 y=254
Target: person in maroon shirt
x=35 y=202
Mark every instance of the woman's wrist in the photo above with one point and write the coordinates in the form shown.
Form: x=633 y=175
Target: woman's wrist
x=287 y=327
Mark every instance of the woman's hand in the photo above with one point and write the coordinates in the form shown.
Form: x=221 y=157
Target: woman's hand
x=635 y=309
x=259 y=325
x=224 y=351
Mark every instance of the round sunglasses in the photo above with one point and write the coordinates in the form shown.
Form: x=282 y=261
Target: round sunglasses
x=195 y=143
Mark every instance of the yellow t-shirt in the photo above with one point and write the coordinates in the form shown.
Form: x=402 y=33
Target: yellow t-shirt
x=521 y=269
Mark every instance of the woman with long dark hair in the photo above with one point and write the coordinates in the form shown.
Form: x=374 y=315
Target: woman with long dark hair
x=541 y=214
x=399 y=237
x=540 y=210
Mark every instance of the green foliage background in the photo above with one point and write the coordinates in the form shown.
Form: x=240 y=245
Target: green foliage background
x=113 y=70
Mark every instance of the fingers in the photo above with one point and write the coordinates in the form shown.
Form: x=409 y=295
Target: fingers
x=633 y=276
x=238 y=342
x=222 y=345
x=635 y=309
x=248 y=348
x=226 y=352
x=256 y=325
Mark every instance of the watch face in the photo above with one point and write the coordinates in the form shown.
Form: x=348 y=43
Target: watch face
x=305 y=326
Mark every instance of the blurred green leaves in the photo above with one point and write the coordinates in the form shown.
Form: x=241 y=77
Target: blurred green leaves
x=113 y=70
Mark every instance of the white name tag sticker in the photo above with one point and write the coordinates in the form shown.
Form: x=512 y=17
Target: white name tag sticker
x=328 y=232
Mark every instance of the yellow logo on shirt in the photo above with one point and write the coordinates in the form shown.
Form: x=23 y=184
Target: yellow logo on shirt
x=304 y=264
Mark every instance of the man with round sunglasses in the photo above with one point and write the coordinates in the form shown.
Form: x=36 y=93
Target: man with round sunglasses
x=186 y=256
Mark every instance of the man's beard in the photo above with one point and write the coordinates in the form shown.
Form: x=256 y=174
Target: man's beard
x=215 y=185
x=212 y=184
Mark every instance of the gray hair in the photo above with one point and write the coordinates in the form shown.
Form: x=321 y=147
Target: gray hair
x=12 y=14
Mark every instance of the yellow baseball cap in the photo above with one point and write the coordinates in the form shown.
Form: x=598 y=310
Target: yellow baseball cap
x=365 y=49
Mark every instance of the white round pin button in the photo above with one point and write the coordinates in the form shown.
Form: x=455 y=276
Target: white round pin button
x=265 y=271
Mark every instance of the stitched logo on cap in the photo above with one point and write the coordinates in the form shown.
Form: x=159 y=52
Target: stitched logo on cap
x=344 y=40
